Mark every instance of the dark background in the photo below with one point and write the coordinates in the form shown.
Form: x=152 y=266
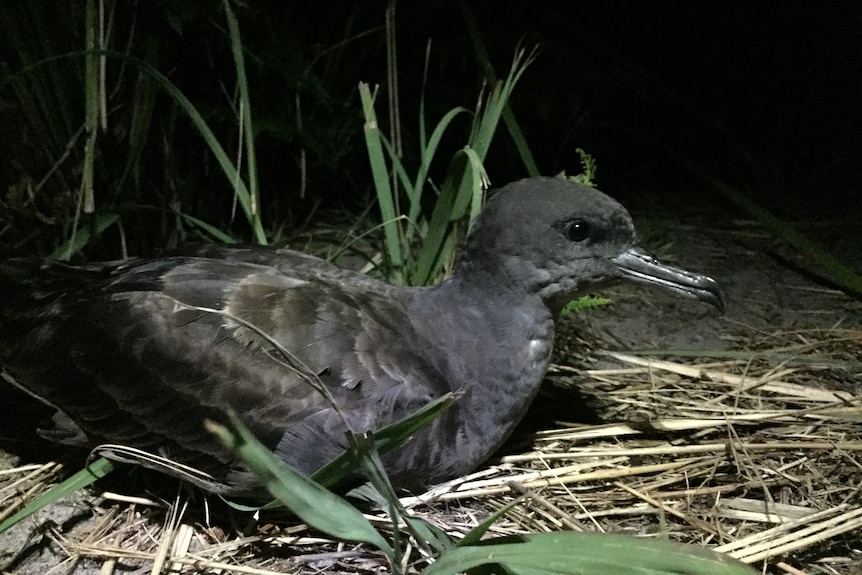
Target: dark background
x=763 y=96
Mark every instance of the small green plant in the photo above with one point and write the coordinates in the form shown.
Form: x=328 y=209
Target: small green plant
x=588 y=170
x=582 y=303
x=587 y=176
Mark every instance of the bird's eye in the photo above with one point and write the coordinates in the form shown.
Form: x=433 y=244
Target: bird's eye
x=577 y=230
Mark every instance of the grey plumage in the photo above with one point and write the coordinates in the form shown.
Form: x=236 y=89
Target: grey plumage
x=121 y=350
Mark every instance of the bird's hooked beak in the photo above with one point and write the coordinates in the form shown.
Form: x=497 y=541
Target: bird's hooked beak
x=639 y=266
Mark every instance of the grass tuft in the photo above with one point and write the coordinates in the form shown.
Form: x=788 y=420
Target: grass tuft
x=419 y=248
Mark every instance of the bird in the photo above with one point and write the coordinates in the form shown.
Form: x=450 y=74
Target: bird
x=140 y=352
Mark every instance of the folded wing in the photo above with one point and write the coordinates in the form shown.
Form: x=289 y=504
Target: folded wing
x=140 y=353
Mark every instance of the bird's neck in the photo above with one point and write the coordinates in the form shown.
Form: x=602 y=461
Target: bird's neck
x=492 y=343
x=495 y=317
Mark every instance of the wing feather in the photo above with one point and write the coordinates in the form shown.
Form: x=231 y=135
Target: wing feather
x=134 y=358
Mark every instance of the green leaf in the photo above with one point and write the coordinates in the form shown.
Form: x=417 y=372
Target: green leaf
x=310 y=501
x=840 y=273
x=429 y=149
x=433 y=536
x=380 y=174
x=363 y=448
x=245 y=117
x=95 y=470
x=274 y=504
x=455 y=186
x=385 y=440
x=570 y=553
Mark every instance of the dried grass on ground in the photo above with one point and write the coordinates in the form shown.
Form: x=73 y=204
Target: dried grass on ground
x=757 y=454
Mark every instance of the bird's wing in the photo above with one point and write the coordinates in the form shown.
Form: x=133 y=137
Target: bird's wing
x=142 y=352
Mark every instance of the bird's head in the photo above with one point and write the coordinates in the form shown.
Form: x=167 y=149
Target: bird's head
x=562 y=239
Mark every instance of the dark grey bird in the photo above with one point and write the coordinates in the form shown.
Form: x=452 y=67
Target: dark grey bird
x=140 y=352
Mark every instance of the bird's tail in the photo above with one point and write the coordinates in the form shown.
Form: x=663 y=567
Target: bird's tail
x=28 y=284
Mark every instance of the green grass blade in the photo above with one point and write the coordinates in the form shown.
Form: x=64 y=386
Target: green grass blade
x=438 y=226
x=429 y=148
x=490 y=118
x=463 y=186
x=365 y=451
x=43 y=90
x=570 y=553
x=385 y=439
x=398 y=166
x=142 y=117
x=472 y=191
x=422 y=127
x=210 y=229
x=838 y=271
x=224 y=161
x=245 y=113
x=380 y=173
x=464 y=179
x=428 y=151
x=364 y=448
x=520 y=141
x=95 y=470
x=476 y=533
x=310 y=501
x=435 y=537
x=509 y=119
x=242 y=507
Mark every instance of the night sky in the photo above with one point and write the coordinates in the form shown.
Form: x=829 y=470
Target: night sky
x=764 y=95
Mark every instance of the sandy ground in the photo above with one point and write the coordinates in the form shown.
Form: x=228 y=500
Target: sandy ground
x=765 y=292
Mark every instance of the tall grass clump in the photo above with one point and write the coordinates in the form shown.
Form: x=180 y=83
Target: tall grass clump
x=418 y=246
